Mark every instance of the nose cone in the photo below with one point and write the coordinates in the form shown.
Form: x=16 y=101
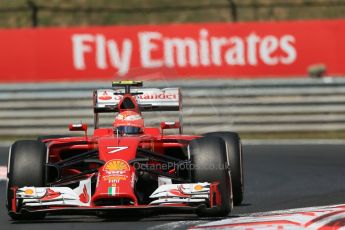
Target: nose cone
x=116 y=177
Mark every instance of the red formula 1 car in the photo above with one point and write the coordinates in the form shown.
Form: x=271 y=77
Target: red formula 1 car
x=126 y=167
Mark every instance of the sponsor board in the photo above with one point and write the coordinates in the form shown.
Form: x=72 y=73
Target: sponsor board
x=205 y=50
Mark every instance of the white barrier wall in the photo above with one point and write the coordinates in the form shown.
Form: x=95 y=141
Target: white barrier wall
x=268 y=105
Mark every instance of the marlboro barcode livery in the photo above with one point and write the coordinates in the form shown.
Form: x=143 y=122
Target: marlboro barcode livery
x=128 y=166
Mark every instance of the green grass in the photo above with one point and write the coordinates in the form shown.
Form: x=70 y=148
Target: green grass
x=115 y=12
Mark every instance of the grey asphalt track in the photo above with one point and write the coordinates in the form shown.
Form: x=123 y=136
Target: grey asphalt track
x=276 y=176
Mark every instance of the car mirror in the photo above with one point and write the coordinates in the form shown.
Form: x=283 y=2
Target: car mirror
x=78 y=127
x=170 y=125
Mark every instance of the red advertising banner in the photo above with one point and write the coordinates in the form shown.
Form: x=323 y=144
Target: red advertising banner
x=215 y=50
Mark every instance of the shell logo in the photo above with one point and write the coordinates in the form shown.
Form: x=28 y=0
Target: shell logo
x=198 y=187
x=29 y=191
x=116 y=165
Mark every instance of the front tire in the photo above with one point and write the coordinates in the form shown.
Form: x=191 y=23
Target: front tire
x=235 y=159
x=26 y=165
x=208 y=158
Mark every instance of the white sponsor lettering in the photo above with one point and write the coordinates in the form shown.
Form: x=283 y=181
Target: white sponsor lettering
x=146 y=47
x=287 y=45
x=101 y=52
x=252 y=41
x=183 y=50
x=80 y=47
x=119 y=53
x=116 y=149
x=157 y=50
x=204 y=48
x=217 y=45
x=120 y=61
x=235 y=54
x=268 y=46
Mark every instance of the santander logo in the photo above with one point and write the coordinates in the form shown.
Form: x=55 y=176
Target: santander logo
x=105 y=96
x=153 y=49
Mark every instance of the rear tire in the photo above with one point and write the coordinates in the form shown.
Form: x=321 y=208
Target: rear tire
x=235 y=159
x=26 y=165
x=208 y=157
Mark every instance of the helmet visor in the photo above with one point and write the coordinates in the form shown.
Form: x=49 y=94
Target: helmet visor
x=128 y=129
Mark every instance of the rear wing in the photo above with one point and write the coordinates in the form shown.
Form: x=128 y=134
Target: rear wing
x=148 y=99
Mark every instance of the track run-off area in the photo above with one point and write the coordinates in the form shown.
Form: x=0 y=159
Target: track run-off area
x=278 y=176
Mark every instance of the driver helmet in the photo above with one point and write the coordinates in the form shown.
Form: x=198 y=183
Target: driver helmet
x=128 y=123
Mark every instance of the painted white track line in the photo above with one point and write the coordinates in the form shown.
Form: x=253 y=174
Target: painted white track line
x=177 y=225
x=325 y=217
x=292 y=210
x=3 y=173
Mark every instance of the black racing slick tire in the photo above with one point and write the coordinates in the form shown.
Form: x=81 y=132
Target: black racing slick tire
x=235 y=159
x=208 y=155
x=26 y=167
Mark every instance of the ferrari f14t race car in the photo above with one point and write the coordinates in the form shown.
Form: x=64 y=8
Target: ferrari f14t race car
x=127 y=167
